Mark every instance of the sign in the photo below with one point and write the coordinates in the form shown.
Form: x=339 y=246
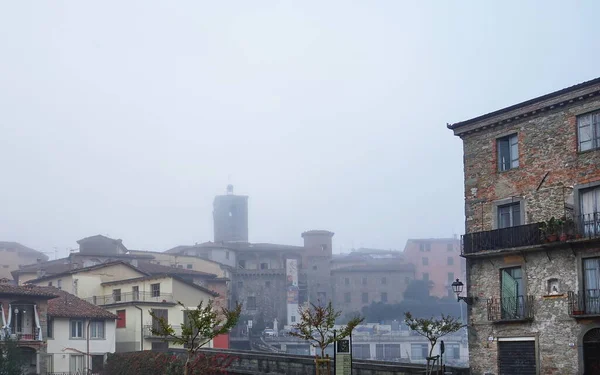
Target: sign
x=291 y=274
x=292 y=295
x=343 y=357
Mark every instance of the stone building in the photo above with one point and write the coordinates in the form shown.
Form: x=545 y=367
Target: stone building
x=230 y=215
x=436 y=260
x=532 y=242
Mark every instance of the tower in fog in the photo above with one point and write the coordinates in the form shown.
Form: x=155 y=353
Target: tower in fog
x=230 y=217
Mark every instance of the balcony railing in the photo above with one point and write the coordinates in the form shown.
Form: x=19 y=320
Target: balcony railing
x=149 y=335
x=510 y=309
x=130 y=297
x=581 y=227
x=7 y=332
x=584 y=303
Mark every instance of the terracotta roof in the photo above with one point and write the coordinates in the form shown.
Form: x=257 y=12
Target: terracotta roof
x=70 y=306
x=27 y=290
x=153 y=268
x=154 y=277
x=83 y=269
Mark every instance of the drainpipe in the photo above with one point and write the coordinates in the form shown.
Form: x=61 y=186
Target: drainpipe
x=88 y=345
x=141 y=327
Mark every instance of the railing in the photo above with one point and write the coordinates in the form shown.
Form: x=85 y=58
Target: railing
x=130 y=297
x=522 y=235
x=7 y=332
x=580 y=227
x=507 y=309
x=148 y=331
x=584 y=303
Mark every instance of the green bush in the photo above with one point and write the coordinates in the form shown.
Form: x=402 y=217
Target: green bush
x=158 y=363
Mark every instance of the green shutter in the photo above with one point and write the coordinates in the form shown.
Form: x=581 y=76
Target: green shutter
x=509 y=295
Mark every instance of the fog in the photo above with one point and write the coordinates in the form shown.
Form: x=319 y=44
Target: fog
x=127 y=118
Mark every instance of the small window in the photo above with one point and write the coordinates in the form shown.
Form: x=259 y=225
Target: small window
x=509 y=215
x=588 y=127
x=76 y=363
x=450 y=261
x=264 y=266
x=365 y=297
x=384 y=297
x=452 y=351
x=242 y=264
x=450 y=247
x=189 y=266
x=508 y=152
x=267 y=284
x=426 y=276
x=116 y=295
x=121 y=319
x=97 y=329
x=364 y=281
x=155 y=290
x=347 y=297
x=50 y=328
x=425 y=261
x=251 y=303
x=346 y=281
x=76 y=329
x=293 y=318
x=383 y=280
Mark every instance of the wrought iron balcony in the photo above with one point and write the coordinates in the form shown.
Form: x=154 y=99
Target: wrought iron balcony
x=510 y=309
x=584 y=304
x=579 y=228
x=109 y=299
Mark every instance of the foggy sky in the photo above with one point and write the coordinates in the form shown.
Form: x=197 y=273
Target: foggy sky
x=125 y=118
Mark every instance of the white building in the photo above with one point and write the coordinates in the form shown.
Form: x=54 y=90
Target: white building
x=79 y=335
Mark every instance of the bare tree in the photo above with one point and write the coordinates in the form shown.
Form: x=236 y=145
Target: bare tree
x=433 y=329
x=203 y=324
x=317 y=323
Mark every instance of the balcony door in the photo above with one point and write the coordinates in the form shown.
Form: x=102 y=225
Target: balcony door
x=591 y=284
x=512 y=293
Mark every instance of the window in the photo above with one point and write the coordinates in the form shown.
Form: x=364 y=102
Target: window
x=425 y=261
x=450 y=261
x=347 y=281
x=509 y=215
x=264 y=266
x=121 y=319
x=135 y=291
x=49 y=283
x=76 y=329
x=591 y=285
x=50 y=328
x=117 y=295
x=155 y=290
x=347 y=297
x=384 y=297
x=426 y=276
x=450 y=277
x=189 y=266
x=251 y=303
x=97 y=364
x=452 y=351
x=424 y=246
x=589 y=131
x=418 y=351
x=180 y=266
x=50 y=363
x=450 y=247
x=76 y=364
x=508 y=152
x=365 y=297
x=590 y=206
x=511 y=293
x=364 y=281
x=293 y=318
x=59 y=283
x=240 y=285
x=383 y=280
x=314 y=268
x=226 y=254
x=97 y=329
x=242 y=264
x=267 y=284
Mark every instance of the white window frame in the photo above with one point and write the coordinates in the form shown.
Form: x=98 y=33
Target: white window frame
x=94 y=334
x=76 y=363
x=78 y=328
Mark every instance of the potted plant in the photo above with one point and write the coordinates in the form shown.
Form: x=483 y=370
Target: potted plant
x=568 y=228
x=550 y=229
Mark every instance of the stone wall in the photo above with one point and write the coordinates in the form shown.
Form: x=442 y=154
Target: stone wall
x=548 y=160
x=258 y=363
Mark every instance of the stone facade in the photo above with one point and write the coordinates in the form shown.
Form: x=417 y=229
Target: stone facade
x=547 y=183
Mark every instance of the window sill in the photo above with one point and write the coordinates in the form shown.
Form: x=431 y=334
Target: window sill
x=579 y=152
x=508 y=170
x=76 y=338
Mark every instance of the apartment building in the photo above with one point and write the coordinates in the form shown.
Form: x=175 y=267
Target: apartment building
x=532 y=242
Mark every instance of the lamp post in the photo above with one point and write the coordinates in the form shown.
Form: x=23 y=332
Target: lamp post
x=457 y=288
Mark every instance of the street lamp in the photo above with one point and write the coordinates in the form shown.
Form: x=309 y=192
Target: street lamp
x=457 y=288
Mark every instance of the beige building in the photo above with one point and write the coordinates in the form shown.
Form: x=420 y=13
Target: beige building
x=15 y=255
x=188 y=262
